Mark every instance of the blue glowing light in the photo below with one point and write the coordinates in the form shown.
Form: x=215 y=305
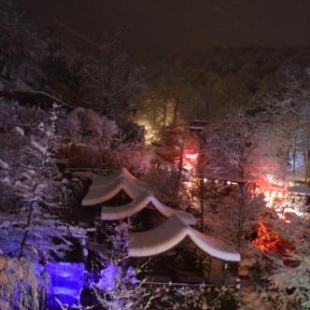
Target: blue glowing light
x=66 y=283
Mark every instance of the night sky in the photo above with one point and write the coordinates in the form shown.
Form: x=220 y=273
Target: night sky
x=152 y=29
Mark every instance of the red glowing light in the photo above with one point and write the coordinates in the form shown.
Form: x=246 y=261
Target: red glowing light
x=269 y=240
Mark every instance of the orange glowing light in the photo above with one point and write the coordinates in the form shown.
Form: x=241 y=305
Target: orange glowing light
x=269 y=240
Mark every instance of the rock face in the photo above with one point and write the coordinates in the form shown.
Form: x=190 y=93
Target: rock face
x=3 y=263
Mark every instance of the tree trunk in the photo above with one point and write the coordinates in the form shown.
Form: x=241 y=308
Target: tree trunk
x=25 y=235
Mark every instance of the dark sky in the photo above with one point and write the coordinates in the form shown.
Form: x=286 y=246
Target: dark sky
x=152 y=29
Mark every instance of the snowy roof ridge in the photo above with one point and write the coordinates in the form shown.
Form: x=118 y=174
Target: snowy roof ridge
x=170 y=234
x=99 y=181
x=105 y=188
x=141 y=202
x=102 y=194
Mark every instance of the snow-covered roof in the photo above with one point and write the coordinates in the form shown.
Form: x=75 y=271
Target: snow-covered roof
x=122 y=174
x=170 y=234
x=103 y=189
x=102 y=194
x=141 y=202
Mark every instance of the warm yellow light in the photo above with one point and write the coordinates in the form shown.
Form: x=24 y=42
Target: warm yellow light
x=188 y=184
x=191 y=156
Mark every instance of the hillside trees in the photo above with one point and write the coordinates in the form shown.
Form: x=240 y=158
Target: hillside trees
x=111 y=80
x=32 y=190
x=229 y=151
x=224 y=79
x=94 y=141
x=279 y=247
x=281 y=269
x=33 y=206
x=287 y=115
x=169 y=101
x=17 y=40
x=61 y=69
x=104 y=81
x=33 y=227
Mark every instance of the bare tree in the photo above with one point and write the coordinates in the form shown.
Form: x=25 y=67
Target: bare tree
x=286 y=115
x=230 y=153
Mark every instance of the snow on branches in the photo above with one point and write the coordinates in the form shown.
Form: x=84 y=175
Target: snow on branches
x=32 y=188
